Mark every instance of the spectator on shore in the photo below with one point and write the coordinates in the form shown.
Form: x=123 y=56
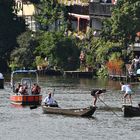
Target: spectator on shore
x=136 y=61
x=82 y=57
x=131 y=69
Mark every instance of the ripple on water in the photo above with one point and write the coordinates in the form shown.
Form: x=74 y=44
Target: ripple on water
x=23 y=123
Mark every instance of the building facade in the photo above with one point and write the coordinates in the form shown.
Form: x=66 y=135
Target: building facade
x=26 y=9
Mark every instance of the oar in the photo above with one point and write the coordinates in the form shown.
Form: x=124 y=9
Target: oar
x=53 y=91
x=108 y=107
x=53 y=96
x=33 y=107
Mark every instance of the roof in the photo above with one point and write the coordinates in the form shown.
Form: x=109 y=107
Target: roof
x=24 y=71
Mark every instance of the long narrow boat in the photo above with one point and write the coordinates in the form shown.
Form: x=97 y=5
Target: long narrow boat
x=28 y=77
x=82 y=112
x=130 y=111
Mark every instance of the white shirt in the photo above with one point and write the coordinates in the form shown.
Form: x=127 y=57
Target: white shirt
x=49 y=101
x=126 y=88
x=1 y=76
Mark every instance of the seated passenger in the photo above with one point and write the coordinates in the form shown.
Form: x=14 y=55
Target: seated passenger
x=36 y=89
x=49 y=101
x=17 y=88
x=23 y=90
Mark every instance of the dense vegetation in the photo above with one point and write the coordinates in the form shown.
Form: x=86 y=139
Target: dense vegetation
x=10 y=27
x=53 y=45
x=123 y=24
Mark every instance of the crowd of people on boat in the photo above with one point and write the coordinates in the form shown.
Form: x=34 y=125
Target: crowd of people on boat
x=23 y=89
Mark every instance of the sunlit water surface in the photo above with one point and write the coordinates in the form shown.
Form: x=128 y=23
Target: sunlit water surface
x=17 y=123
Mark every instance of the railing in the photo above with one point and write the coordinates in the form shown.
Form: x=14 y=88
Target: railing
x=100 y=9
x=79 y=9
x=72 y=2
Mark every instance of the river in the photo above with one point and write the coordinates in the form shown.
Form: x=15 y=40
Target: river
x=17 y=123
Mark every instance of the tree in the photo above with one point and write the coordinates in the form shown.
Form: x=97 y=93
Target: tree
x=60 y=50
x=23 y=56
x=52 y=18
x=124 y=22
x=10 y=27
x=49 y=14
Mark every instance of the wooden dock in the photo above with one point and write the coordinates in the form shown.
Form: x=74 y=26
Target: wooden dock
x=79 y=74
x=123 y=77
x=50 y=72
x=118 y=77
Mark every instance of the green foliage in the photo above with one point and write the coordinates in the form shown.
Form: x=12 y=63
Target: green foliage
x=39 y=61
x=124 y=22
x=100 y=51
x=10 y=27
x=49 y=14
x=115 y=55
x=102 y=72
x=60 y=50
x=23 y=56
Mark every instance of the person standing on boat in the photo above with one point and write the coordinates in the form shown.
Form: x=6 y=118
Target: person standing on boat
x=96 y=93
x=127 y=92
x=49 y=101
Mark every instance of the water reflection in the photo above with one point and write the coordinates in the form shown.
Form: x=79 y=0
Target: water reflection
x=15 y=123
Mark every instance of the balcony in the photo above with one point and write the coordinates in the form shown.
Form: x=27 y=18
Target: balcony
x=100 y=9
x=135 y=47
x=73 y=2
x=79 y=9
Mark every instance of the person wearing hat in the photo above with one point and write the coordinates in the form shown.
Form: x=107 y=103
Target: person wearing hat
x=96 y=93
x=49 y=101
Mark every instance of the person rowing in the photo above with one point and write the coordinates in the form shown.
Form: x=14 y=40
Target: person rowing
x=49 y=101
x=126 y=88
x=96 y=93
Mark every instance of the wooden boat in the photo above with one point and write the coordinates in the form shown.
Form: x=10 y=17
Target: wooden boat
x=130 y=111
x=28 y=77
x=82 y=112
